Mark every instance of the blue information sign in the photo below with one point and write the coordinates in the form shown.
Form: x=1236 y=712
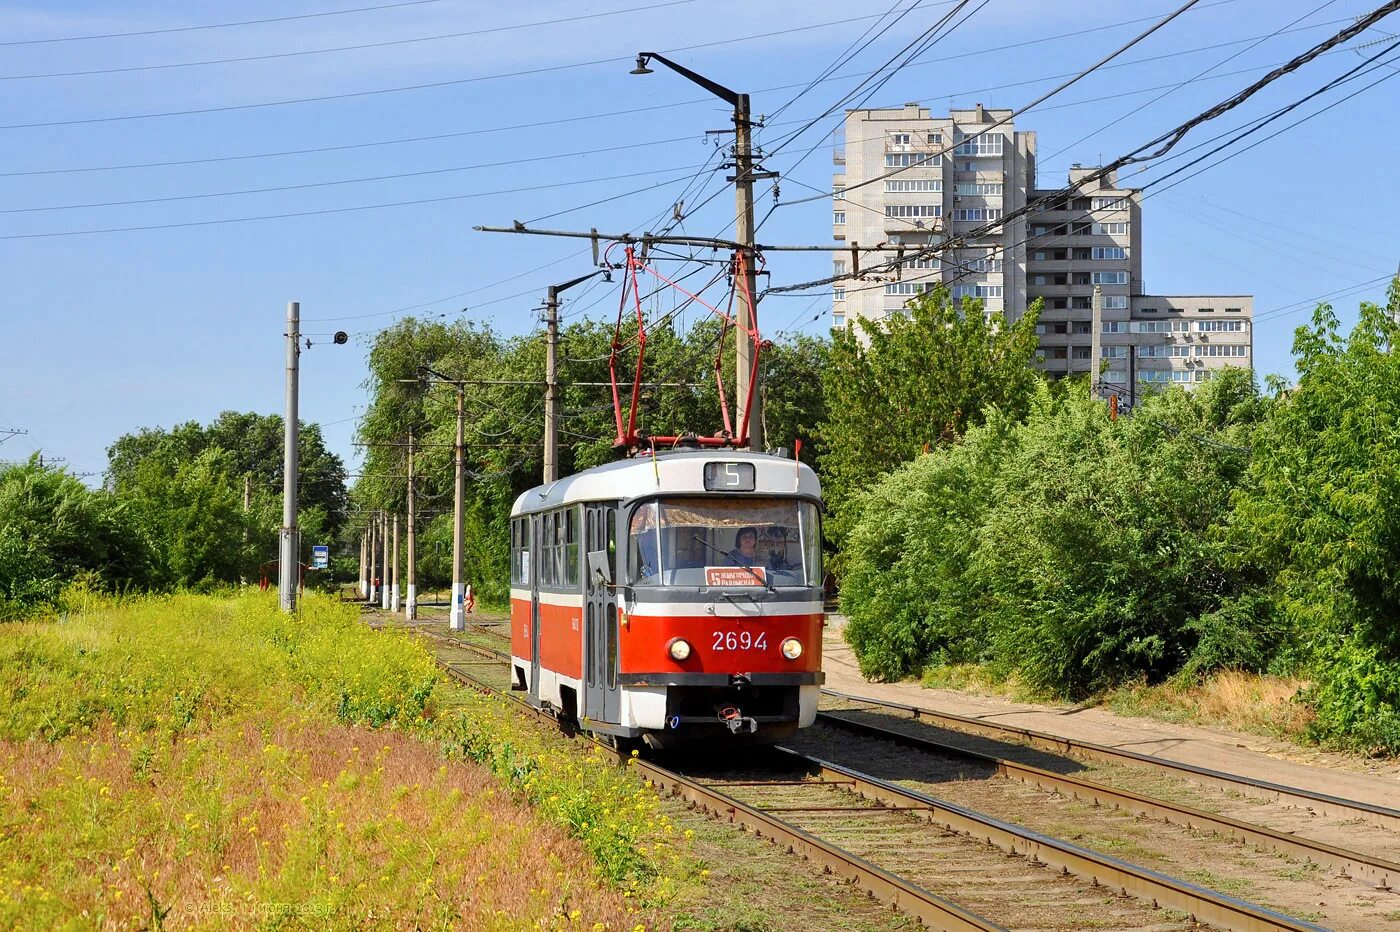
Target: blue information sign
x=320 y=556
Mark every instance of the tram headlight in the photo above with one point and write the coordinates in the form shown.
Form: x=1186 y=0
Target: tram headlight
x=679 y=649
x=791 y=648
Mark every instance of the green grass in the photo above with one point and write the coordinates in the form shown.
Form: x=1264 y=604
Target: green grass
x=202 y=761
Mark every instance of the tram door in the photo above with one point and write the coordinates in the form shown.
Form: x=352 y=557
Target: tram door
x=601 y=700
x=532 y=575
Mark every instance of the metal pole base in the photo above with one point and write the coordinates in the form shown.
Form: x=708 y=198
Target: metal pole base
x=410 y=605
x=457 y=621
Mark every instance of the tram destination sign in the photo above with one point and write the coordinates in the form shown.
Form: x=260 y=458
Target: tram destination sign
x=729 y=477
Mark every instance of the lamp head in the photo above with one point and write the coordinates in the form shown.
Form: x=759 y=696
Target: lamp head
x=641 y=66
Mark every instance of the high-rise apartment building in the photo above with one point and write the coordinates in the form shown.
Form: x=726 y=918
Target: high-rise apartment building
x=913 y=180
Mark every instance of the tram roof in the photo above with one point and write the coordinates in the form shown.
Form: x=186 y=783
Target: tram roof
x=679 y=472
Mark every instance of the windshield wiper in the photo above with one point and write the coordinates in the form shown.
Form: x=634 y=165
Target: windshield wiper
x=762 y=579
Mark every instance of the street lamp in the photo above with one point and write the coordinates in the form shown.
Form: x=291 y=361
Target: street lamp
x=748 y=399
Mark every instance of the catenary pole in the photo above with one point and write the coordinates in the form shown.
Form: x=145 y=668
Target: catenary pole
x=457 y=618
x=1095 y=342
x=384 y=576
x=410 y=605
x=746 y=380
x=551 y=385
x=394 y=569
x=289 y=551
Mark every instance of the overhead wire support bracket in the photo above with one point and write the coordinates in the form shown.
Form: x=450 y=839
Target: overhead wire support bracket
x=631 y=239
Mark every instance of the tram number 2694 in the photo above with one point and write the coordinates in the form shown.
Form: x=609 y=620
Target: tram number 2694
x=740 y=640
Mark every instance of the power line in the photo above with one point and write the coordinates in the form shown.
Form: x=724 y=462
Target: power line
x=343 y=48
x=246 y=22
x=337 y=182
x=626 y=112
x=454 y=82
x=1078 y=76
x=343 y=210
x=1165 y=142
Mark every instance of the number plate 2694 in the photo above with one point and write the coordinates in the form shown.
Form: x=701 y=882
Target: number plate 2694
x=739 y=640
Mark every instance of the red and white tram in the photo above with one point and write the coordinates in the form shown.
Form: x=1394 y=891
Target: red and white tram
x=674 y=598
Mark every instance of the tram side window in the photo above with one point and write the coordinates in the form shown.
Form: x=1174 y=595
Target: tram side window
x=520 y=552
x=570 y=550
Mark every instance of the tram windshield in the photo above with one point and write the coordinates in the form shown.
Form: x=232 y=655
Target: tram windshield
x=725 y=542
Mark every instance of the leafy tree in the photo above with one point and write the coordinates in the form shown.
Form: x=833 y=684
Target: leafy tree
x=898 y=387
x=189 y=515
x=1075 y=550
x=53 y=528
x=252 y=452
x=1321 y=507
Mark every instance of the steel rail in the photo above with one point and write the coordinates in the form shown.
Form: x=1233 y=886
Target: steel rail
x=1204 y=905
x=908 y=898
x=1320 y=803
x=1378 y=872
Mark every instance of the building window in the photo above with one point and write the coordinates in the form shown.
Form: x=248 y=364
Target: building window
x=1039 y=280
x=1115 y=302
x=924 y=262
x=1039 y=255
x=935 y=138
x=904 y=211
x=985 y=144
x=976 y=291
x=838 y=267
x=1110 y=278
x=1110 y=229
x=1082 y=327
x=838 y=217
x=1109 y=203
x=1222 y=349
x=1059 y=304
x=976 y=213
x=1232 y=310
x=839 y=193
x=1080 y=303
x=911 y=159
x=1082 y=252
x=1147 y=310
x=1040 y=329
x=838 y=320
x=899 y=139
x=1039 y=229
x=1081 y=352
x=978 y=188
x=1179 y=350
x=1113 y=352
x=904 y=288
x=905 y=185
x=1205 y=310
x=1115 y=326
x=1109 y=252
x=982 y=264
x=1219 y=326
x=838 y=294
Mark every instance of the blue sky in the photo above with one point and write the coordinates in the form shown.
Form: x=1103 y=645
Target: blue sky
x=108 y=332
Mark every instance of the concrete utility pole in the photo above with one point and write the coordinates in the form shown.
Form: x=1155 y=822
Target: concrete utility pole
x=289 y=551
x=384 y=577
x=551 y=374
x=457 y=620
x=394 y=573
x=247 y=505
x=364 y=537
x=410 y=605
x=1095 y=342
x=746 y=287
x=372 y=593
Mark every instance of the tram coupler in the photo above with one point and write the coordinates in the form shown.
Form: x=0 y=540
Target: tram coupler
x=737 y=722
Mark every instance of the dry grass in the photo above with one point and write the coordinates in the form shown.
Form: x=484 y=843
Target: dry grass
x=183 y=764
x=1245 y=702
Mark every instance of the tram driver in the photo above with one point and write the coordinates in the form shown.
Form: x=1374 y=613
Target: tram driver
x=745 y=544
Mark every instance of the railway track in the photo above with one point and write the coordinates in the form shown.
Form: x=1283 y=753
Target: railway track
x=947 y=865
x=1299 y=797
x=1367 y=868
